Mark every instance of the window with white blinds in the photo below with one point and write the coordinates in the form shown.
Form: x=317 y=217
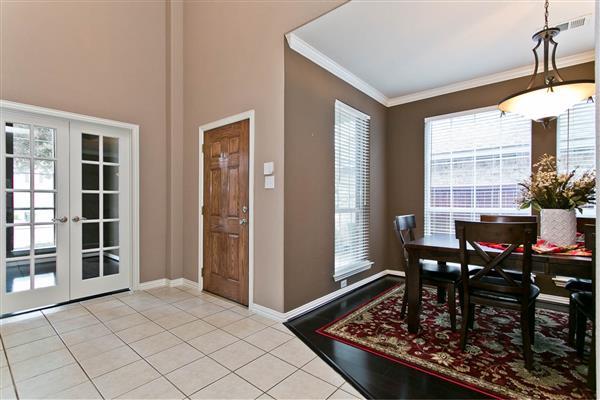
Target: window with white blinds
x=576 y=142
x=351 y=190
x=473 y=164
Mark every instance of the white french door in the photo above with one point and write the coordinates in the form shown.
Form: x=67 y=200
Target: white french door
x=65 y=206
x=35 y=207
x=100 y=217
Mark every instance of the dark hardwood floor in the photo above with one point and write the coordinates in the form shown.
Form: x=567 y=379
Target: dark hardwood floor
x=375 y=377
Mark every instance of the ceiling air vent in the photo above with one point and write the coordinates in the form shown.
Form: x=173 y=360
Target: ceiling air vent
x=572 y=24
x=576 y=23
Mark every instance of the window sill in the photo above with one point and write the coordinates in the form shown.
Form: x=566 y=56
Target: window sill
x=352 y=270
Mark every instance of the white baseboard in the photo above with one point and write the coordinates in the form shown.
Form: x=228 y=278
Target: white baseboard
x=192 y=284
x=280 y=316
x=268 y=312
x=153 y=284
x=175 y=282
x=170 y=283
x=284 y=316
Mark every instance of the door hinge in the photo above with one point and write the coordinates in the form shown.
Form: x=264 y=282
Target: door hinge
x=203 y=210
x=204 y=148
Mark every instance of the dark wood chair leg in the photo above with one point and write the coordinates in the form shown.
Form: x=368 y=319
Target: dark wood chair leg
x=471 y=316
x=464 y=325
x=580 y=321
x=526 y=335
x=461 y=297
x=572 y=323
x=591 y=378
x=441 y=294
x=404 y=302
x=452 y=306
x=531 y=320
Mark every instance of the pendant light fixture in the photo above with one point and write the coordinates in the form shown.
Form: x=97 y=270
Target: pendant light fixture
x=545 y=102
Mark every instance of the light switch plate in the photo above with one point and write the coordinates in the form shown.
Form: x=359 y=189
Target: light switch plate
x=268 y=168
x=269 y=182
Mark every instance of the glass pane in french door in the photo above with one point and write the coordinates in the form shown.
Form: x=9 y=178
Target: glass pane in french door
x=100 y=196
x=30 y=206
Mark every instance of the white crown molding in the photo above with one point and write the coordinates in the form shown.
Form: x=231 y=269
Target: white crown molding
x=489 y=79
x=300 y=46
x=308 y=51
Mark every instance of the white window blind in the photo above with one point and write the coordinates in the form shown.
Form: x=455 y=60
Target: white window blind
x=576 y=142
x=473 y=164
x=351 y=190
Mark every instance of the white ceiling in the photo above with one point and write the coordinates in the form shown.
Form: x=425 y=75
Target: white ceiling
x=400 y=48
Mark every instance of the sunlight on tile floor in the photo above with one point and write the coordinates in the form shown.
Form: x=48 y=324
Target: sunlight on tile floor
x=163 y=343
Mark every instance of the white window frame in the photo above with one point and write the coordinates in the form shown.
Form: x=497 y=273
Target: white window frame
x=362 y=265
x=591 y=211
x=427 y=166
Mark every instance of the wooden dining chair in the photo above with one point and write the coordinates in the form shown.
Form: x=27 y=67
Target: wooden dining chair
x=575 y=285
x=438 y=274
x=492 y=286
x=581 y=302
x=583 y=305
x=516 y=275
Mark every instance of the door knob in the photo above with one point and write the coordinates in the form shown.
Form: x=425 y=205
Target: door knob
x=243 y=221
x=61 y=220
x=77 y=219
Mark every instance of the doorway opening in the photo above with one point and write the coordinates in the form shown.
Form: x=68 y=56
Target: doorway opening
x=68 y=200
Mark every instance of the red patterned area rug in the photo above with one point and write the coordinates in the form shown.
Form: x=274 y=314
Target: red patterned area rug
x=492 y=363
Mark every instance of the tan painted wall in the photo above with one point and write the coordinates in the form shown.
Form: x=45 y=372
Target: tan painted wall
x=310 y=94
x=234 y=62
x=405 y=145
x=104 y=59
x=174 y=93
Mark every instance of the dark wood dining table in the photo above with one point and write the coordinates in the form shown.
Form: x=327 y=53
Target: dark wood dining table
x=442 y=247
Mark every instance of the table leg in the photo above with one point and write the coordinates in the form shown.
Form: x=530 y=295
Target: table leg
x=413 y=276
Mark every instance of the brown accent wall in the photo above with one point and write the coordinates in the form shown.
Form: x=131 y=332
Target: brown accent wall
x=234 y=62
x=405 y=142
x=310 y=94
x=104 y=59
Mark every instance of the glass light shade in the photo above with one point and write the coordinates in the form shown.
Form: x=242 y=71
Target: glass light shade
x=545 y=103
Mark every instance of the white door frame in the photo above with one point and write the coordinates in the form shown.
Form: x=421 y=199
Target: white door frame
x=134 y=281
x=249 y=115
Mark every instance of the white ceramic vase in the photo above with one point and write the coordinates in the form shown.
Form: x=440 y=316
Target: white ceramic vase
x=558 y=226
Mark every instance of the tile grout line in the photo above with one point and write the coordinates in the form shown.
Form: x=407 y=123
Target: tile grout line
x=12 y=378
x=152 y=366
x=139 y=355
x=132 y=349
x=173 y=304
x=230 y=371
x=74 y=358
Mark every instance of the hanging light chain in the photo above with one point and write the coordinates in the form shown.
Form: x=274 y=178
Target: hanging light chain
x=546 y=4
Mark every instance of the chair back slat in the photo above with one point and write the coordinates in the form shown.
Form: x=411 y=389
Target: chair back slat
x=582 y=223
x=404 y=226
x=508 y=218
x=514 y=234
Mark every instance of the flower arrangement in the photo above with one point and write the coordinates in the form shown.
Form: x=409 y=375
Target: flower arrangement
x=548 y=189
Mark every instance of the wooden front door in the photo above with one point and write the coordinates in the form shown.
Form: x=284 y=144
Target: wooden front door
x=225 y=211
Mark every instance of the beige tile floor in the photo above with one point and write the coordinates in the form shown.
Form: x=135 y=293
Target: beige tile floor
x=163 y=343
